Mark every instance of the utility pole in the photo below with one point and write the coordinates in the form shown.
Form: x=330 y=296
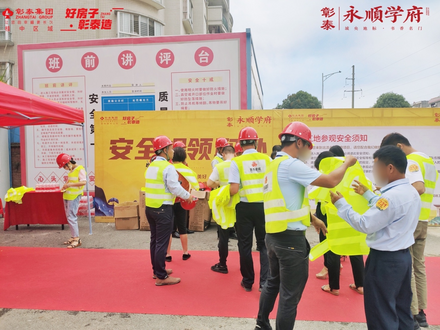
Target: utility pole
x=352 y=87
x=324 y=78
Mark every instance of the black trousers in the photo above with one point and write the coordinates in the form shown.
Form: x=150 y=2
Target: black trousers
x=223 y=248
x=180 y=215
x=250 y=216
x=333 y=262
x=289 y=270
x=387 y=290
x=161 y=226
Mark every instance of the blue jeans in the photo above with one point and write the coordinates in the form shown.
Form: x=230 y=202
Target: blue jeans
x=71 y=208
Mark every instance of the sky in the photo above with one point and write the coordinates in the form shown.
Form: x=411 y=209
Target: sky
x=293 y=51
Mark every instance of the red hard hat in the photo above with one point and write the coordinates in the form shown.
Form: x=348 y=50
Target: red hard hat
x=248 y=133
x=187 y=206
x=300 y=130
x=161 y=142
x=238 y=147
x=221 y=143
x=179 y=144
x=63 y=159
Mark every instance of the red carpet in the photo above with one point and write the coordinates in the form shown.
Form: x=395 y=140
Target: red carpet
x=120 y=281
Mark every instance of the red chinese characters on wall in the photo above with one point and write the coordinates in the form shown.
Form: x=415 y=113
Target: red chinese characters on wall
x=127 y=59
x=253 y=120
x=54 y=63
x=196 y=148
x=204 y=56
x=89 y=18
x=165 y=58
x=34 y=17
x=89 y=61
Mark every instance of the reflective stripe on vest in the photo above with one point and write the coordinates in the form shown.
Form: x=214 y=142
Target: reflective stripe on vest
x=430 y=176
x=188 y=174
x=155 y=192
x=223 y=172
x=72 y=193
x=252 y=168
x=276 y=214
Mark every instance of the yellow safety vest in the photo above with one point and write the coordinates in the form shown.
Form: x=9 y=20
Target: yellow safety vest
x=16 y=194
x=155 y=192
x=219 y=159
x=276 y=214
x=223 y=172
x=252 y=168
x=188 y=174
x=223 y=206
x=430 y=176
x=341 y=238
x=72 y=193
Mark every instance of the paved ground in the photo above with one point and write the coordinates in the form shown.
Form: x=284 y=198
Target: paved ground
x=106 y=237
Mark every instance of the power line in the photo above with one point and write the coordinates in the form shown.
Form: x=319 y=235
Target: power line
x=422 y=88
x=437 y=73
x=388 y=44
x=387 y=66
x=403 y=77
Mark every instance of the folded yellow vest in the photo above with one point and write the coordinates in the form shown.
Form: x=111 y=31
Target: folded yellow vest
x=16 y=194
x=223 y=206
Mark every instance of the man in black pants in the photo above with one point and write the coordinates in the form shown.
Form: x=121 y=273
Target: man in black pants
x=219 y=178
x=389 y=224
x=246 y=178
x=287 y=219
x=161 y=188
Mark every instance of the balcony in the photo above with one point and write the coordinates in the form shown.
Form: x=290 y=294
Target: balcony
x=6 y=38
x=158 y=4
x=219 y=3
x=220 y=19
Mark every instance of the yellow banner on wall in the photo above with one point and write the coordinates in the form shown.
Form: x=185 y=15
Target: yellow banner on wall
x=123 y=139
x=123 y=142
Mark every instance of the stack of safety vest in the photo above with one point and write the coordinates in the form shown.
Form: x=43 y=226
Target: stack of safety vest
x=16 y=194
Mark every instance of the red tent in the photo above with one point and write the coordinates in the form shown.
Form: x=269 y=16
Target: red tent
x=20 y=108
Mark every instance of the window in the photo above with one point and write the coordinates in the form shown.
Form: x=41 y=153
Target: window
x=6 y=72
x=132 y=25
x=4 y=35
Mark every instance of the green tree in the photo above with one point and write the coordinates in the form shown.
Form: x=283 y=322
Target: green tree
x=300 y=100
x=391 y=100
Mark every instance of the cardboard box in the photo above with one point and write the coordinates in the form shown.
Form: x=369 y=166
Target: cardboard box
x=104 y=219
x=201 y=212
x=127 y=216
x=143 y=221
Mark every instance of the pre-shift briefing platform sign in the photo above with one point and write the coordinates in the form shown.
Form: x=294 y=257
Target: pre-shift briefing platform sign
x=201 y=72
